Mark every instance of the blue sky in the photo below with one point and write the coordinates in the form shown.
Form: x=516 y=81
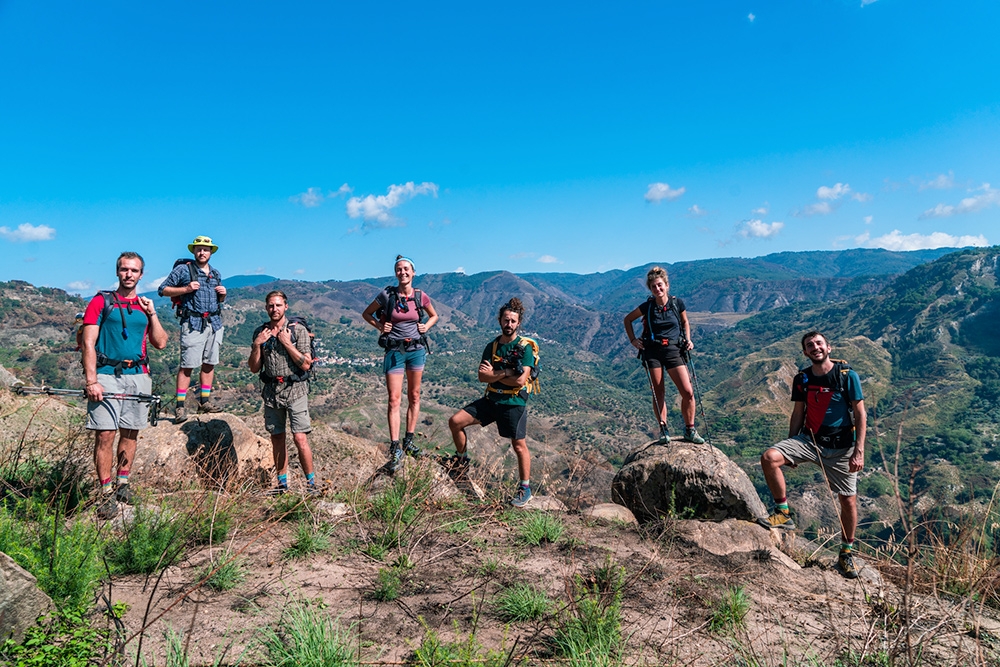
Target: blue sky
x=317 y=140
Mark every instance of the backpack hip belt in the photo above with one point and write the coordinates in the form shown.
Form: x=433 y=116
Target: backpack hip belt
x=406 y=344
x=506 y=392
x=186 y=313
x=282 y=379
x=120 y=364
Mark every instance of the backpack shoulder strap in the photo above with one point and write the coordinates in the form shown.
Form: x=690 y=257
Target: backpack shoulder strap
x=418 y=300
x=192 y=271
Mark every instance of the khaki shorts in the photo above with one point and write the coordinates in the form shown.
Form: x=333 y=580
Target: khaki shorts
x=297 y=413
x=111 y=414
x=835 y=462
x=200 y=347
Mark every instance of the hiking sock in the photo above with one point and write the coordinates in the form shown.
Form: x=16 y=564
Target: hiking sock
x=206 y=392
x=106 y=486
x=525 y=483
x=181 y=396
x=283 y=480
x=122 y=477
x=846 y=547
x=408 y=438
x=311 y=479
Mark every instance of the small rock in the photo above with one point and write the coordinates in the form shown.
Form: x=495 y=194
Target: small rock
x=607 y=513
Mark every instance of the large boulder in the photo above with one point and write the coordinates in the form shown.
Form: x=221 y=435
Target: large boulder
x=21 y=601
x=217 y=449
x=685 y=480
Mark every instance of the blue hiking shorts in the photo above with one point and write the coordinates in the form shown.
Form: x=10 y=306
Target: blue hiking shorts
x=398 y=360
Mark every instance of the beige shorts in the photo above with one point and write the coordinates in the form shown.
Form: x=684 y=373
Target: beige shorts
x=111 y=414
x=297 y=413
x=200 y=347
x=834 y=462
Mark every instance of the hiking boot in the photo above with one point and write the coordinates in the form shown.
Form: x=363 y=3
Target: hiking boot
x=779 y=519
x=279 y=490
x=522 y=497
x=395 y=457
x=108 y=509
x=691 y=435
x=312 y=489
x=124 y=494
x=208 y=407
x=846 y=565
x=664 y=435
x=410 y=448
x=180 y=414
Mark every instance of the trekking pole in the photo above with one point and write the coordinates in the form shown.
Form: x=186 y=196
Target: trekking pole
x=152 y=399
x=664 y=433
x=689 y=359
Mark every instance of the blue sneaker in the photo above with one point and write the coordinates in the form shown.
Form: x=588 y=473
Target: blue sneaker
x=691 y=435
x=522 y=497
x=395 y=457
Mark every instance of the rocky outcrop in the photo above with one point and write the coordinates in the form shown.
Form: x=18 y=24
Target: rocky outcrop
x=685 y=480
x=609 y=513
x=217 y=449
x=21 y=601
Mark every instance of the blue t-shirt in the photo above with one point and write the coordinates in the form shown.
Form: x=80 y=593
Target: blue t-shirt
x=826 y=409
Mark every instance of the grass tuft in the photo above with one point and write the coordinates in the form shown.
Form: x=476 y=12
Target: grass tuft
x=540 y=527
x=306 y=637
x=308 y=540
x=730 y=611
x=521 y=603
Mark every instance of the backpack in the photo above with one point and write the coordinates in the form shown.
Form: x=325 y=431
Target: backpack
x=841 y=370
x=384 y=313
x=300 y=375
x=533 y=386
x=111 y=299
x=647 y=330
x=180 y=302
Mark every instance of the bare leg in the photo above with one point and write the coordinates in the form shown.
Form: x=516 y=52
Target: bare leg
x=683 y=383
x=771 y=461
x=104 y=448
x=457 y=424
x=305 y=453
x=206 y=377
x=394 y=386
x=183 y=380
x=280 y=453
x=126 y=448
x=413 y=379
x=656 y=373
x=848 y=516
x=520 y=447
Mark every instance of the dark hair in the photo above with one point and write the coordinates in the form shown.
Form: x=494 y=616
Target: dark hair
x=128 y=254
x=813 y=334
x=514 y=306
x=276 y=292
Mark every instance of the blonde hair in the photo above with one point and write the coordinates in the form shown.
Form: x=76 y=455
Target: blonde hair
x=657 y=272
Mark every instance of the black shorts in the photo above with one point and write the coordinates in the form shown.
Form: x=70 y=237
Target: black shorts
x=662 y=356
x=512 y=420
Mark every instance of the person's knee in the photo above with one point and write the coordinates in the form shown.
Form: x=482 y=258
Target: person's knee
x=454 y=423
x=848 y=501
x=772 y=458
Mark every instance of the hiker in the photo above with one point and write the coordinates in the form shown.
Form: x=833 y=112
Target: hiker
x=827 y=427
x=505 y=367
x=398 y=314
x=196 y=289
x=664 y=344
x=115 y=362
x=281 y=352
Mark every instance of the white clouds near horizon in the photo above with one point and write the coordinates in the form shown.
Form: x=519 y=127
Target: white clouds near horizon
x=657 y=192
x=987 y=197
x=27 y=232
x=829 y=196
x=313 y=197
x=940 y=182
x=79 y=285
x=896 y=240
x=548 y=259
x=697 y=211
x=759 y=229
x=375 y=209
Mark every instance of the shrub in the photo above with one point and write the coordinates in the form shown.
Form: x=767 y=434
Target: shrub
x=153 y=541
x=463 y=652
x=591 y=634
x=308 y=540
x=65 y=639
x=520 y=603
x=540 y=527
x=305 y=637
x=388 y=585
x=730 y=611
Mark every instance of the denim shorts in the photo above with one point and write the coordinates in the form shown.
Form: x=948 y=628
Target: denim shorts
x=397 y=360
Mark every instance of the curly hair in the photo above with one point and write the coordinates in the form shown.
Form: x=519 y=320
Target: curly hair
x=514 y=306
x=657 y=272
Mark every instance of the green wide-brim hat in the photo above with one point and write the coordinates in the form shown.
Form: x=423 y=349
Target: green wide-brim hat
x=203 y=240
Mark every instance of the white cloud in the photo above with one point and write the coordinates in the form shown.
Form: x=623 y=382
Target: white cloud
x=760 y=230
x=548 y=259
x=79 y=285
x=833 y=192
x=868 y=219
x=819 y=208
x=376 y=209
x=151 y=285
x=987 y=197
x=896 y=240
x=762 y=210
x=28 y=232
x=657 y=192
x=861 y=197
x=299 y=272
x=697 y=211
x=751 y=17
x=940 y=182
x=344 y=189
x=311 y=198
x=865 y=3
x=460 y=269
